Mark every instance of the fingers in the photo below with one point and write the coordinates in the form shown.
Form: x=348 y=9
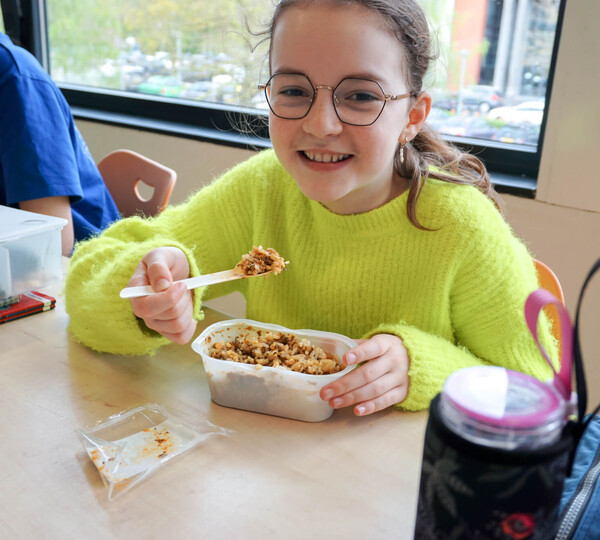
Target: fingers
x=396 y=395
x=373 y=396
x=139 y=277
x=372 y=387
x=169 y=313
x=184 y=336
x=159 y=265
x=164 y=306
x=159 y=275
x=153 y=270
x=367 y=350
x=381 y=381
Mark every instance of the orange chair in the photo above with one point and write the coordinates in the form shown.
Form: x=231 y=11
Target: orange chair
x=123 y=170
x=548 y=281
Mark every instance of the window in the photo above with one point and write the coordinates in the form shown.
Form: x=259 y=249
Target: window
x=497 y=54
x=188 y=49
x=192 y=63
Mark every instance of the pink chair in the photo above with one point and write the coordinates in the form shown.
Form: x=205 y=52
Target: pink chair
x=123 y=170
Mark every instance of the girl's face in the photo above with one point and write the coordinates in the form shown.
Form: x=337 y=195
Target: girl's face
x=347 y=168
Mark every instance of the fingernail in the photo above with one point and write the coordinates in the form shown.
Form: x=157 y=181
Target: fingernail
x=350 y=358
x=361 y=410
x=328 y=394
x=337 y=402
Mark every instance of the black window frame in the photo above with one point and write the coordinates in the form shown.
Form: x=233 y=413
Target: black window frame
x=513 y=170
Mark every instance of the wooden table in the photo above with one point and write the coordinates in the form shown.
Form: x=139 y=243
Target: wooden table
x=346 y=477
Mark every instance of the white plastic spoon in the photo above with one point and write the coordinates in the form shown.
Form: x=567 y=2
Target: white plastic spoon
x=191 y=283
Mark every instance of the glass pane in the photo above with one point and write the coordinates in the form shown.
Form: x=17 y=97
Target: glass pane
x=495 y=55
x=489 y=82
x=186 y=49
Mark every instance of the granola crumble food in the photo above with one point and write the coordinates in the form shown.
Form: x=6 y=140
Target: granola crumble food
x=260 y=261
x=278 y=349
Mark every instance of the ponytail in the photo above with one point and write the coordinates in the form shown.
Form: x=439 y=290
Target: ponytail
x=429 y=156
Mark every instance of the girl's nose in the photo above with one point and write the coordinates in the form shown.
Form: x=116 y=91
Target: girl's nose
x=322 y=120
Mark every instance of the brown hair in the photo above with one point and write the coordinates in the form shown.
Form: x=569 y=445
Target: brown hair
x=427 y=155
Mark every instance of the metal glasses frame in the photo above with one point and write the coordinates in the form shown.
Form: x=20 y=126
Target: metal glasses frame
x=316 y=88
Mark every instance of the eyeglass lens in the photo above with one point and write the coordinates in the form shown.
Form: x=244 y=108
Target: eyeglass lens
x=356 y=101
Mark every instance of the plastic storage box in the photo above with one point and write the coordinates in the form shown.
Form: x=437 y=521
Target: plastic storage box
x=268 y=390
x=30 y=251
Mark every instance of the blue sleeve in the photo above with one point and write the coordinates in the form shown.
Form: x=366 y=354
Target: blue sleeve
x=36 y=152
x=42 y=153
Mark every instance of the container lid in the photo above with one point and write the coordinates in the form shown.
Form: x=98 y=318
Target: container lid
x=501 y=397
x=16 y=223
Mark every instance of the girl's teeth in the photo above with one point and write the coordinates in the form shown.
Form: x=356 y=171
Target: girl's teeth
x=325 y=158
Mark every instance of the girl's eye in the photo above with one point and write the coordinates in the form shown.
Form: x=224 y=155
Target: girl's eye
x=293 y=92
x=361 y=96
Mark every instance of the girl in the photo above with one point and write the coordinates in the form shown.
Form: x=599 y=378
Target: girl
x=418 y=264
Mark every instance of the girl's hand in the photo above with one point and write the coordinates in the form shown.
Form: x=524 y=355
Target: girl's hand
x=170 y=312
x=382 y=381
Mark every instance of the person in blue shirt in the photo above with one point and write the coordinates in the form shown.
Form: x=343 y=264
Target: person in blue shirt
x=45 y=165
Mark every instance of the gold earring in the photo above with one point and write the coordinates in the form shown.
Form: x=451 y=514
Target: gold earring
x=402 y=145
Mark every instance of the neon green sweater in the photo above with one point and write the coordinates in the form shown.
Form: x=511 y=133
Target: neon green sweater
x=455 y=295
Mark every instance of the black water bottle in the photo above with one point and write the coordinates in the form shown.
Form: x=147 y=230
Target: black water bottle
x=496 y=453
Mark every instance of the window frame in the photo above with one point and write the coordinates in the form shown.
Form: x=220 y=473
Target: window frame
x=26 y=23
x=513 y=170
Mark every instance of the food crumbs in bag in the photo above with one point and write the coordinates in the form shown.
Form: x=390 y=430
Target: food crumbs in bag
x=129 y=446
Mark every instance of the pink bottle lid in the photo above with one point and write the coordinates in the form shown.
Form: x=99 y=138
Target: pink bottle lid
x=501 y=408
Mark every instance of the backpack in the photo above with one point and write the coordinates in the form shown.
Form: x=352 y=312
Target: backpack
x=579 y=511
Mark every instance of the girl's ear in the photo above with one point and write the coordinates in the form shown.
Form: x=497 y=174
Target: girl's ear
x=417 y=115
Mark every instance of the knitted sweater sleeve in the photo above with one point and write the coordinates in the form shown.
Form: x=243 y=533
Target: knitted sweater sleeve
x=203 y=228
x=491 y=277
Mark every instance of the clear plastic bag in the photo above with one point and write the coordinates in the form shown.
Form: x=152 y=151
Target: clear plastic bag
x=129 y=446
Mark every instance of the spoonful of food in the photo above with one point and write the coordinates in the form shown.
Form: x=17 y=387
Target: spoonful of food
x=258 y=262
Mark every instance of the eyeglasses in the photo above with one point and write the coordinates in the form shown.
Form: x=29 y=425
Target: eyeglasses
x=357 y=102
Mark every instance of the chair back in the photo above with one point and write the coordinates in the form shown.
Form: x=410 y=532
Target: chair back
x=123 y=170
x=547 y=280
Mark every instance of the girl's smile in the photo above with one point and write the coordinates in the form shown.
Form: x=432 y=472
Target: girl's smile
x=323 y=161
x=324 y=157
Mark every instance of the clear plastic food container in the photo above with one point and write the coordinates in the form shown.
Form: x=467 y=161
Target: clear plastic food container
x=269 y=390
x=30 y=251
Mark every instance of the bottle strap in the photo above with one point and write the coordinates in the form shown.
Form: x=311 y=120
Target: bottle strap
x=571 y=353
x=578 y=361
x=533 y=306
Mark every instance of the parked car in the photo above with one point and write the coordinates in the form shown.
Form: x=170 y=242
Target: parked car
x=455 y=126
x=480 y=128
x=467 y=126
x=482 y=97
x=518 y=134
x=443 y=100
x=511 y=134
x=528 y=112
x=132 y=76
x=161 y=85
